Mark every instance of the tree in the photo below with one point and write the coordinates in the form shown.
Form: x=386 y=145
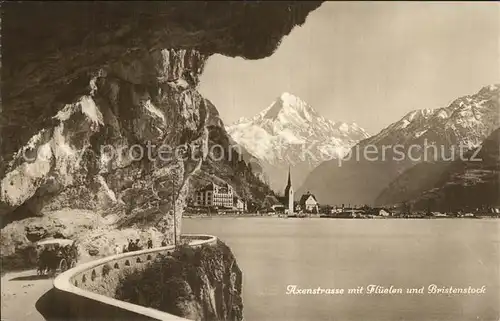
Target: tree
x=430 y=206
x=406 y=208
x=325 y=209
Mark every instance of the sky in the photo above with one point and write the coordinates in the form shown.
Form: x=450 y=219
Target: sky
x=367 y=62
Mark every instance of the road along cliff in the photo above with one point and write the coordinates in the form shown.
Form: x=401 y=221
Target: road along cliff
x=92 y=90
x=100 y=108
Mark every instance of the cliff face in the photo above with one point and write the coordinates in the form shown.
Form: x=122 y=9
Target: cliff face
x=92 y=90
x=202 y=284
x=103 y=150
x=97 y=98
x=51 y=50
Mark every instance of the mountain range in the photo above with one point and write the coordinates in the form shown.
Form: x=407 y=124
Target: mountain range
x=466 y=183
x=465 y=124
x=290 y=133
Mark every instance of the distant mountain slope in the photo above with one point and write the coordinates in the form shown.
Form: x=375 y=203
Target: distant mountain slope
x=291 y=133
x=466 y=122
x=466 y=184
x=411 y=183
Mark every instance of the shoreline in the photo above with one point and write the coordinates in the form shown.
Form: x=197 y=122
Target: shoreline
x=336 y=218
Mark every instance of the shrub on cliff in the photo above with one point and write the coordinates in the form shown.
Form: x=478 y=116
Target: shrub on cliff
x=182 y=284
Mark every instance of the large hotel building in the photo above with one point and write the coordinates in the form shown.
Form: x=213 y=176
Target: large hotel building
x=215 y=195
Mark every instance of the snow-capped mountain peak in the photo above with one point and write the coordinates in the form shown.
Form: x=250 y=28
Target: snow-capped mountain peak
x=467 y=120
x=288 y=107
x=280 y=133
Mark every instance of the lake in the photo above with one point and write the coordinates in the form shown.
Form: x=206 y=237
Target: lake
x=274 y=253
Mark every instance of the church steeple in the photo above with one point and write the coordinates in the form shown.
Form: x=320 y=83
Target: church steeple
x=289 y=184
x=289 y=193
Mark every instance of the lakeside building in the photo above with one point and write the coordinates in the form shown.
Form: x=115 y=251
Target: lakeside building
x=239 y=204
x=278 y=208
x=215 y=195
x=336 y=210
x=365 y=211
x=308 y=203
x=494 y=210
x=384 y=212
x=222 y=196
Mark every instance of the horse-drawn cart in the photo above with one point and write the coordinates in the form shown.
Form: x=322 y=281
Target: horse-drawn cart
x=56 y=255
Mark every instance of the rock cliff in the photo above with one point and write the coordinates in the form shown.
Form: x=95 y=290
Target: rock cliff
x=203 y=284
x=102 y=126
x=95 y=93
x=101 y=152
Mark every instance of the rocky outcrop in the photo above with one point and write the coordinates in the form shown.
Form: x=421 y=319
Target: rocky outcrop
x=203 y=284
x=100 y=113
x=51 y=50
x=114 y=148
x=91 y=90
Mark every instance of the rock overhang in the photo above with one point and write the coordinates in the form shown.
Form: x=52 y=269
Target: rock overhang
x=47 y=46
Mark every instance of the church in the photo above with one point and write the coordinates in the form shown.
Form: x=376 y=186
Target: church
x=286 y=202
x=288 y=197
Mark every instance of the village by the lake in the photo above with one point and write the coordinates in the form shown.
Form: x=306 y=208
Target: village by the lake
x=222 y=200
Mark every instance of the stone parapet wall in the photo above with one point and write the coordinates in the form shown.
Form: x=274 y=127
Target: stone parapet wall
x=85 y=292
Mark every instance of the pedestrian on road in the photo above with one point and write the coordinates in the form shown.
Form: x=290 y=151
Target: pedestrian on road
x=131 y=245
x=137 y=245
x=150 y=243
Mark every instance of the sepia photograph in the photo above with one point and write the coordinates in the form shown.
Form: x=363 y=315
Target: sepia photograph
x=250 y=160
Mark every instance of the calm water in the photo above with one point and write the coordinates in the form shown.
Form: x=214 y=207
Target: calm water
x=274 y=253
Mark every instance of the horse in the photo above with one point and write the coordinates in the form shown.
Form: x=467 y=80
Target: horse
x=43 y=267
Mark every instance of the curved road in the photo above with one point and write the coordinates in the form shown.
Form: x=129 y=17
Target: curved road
x=20 y=293
x=27 y=296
